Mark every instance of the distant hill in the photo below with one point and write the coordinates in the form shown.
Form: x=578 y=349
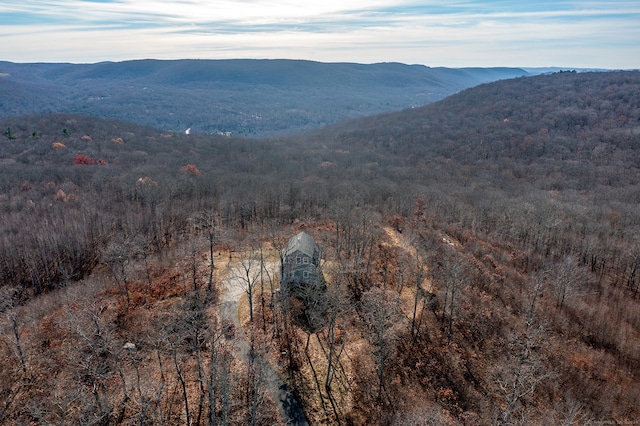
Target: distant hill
x=244 y=97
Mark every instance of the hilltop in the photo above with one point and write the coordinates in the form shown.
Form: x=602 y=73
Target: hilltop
x=243 y=97
x=480 y=252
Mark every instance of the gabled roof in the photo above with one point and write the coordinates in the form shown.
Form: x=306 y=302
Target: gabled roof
x=302 y=242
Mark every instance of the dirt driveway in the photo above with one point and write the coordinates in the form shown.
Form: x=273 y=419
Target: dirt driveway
x=232 y=293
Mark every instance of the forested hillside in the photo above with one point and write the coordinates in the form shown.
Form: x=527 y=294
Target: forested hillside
x=557 y=152
x=243 y=97
x=481 y=259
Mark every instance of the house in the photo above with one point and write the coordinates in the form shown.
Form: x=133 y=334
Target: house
x=301 y=263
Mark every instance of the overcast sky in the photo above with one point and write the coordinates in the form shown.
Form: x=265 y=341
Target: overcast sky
x=600 y=34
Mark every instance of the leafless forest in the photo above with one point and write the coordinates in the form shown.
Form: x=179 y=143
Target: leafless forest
x=481 y=258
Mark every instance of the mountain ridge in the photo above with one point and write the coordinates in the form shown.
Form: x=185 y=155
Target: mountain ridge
x=258 y=97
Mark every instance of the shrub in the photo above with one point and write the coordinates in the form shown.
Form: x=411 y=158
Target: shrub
x=83 y=160
x=190 y=169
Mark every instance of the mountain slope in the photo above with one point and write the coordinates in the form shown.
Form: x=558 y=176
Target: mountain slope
x=253 y=97
x=481 y=256
x=587 y=123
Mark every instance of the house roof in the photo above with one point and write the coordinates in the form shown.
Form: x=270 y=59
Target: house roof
x=302 y=242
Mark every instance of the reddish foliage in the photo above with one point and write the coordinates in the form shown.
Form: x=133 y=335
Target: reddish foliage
x=101 y=162
x=50 y=328
x=86 y=138
x=60 y=195
x=117 y=141
x=83 y=160
x=166 y=285
x=137 y=298
x=190 y=169
x=58 y=145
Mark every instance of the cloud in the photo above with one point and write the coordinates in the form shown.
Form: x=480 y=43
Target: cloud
x=453 y=33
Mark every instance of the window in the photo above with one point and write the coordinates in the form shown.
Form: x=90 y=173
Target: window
x=305 y=274
x=298 y=259
x=305 y=259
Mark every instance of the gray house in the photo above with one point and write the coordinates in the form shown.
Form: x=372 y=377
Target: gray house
x=301 y=262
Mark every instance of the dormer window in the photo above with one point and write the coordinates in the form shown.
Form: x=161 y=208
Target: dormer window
x=305 y=259
x=298 y=259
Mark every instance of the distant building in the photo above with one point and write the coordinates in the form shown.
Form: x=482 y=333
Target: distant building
x=301 y=263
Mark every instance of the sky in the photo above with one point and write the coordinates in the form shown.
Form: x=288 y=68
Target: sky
x=453 y=33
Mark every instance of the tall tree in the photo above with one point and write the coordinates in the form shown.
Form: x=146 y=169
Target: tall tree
x=381 y=312
x=568 y=279
x=246 y=274
x=208 y=223
x=519 y=377
x=453 y=281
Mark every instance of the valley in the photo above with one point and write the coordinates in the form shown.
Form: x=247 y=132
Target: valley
x=257 y=98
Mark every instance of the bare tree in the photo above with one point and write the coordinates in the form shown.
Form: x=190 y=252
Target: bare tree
x=94 y=361
x=355 y=240
x=218 y=376
x=418 y=293
x=453 y=281
x=289 y=341
x=117 y=257
x=520 y=376
x=568 y=279
x=338 y=306
x=381 y=311
x=569 y=412
x=194 y=249
x=246 y=274
x=7 y=296
x=208 y=223
x=279 y=243
x=13 y=380
x=12 y=316
x=255 y=389
x=181 y=379
x=140 y=397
